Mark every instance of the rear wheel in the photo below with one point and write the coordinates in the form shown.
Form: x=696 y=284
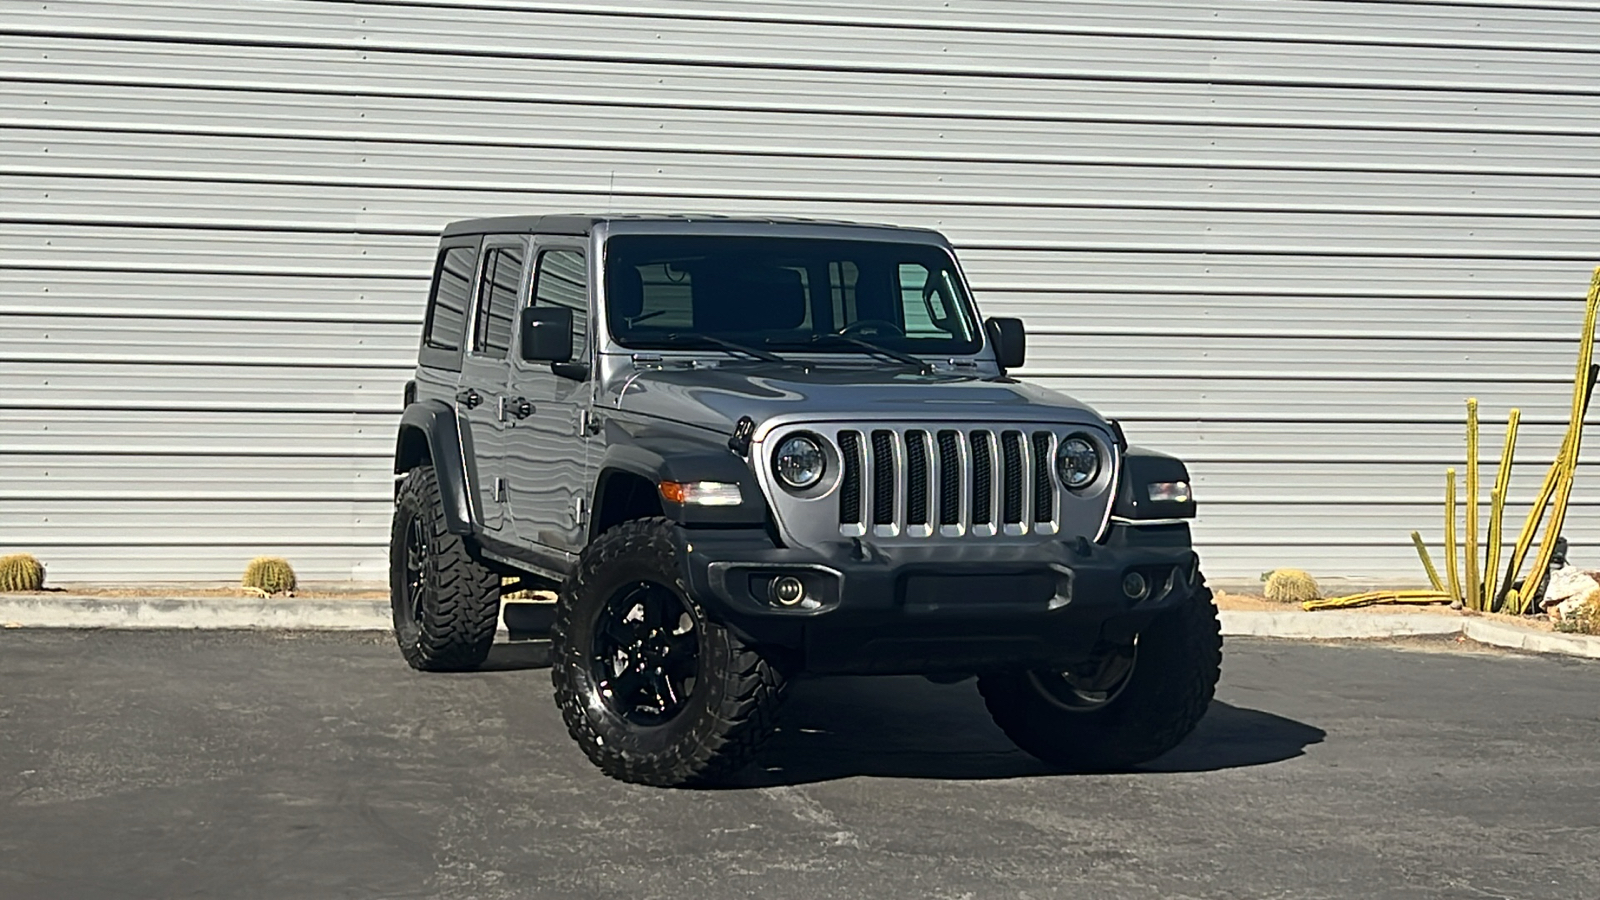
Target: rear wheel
x=651 y=689
x=1127 y=705
x=446 y=602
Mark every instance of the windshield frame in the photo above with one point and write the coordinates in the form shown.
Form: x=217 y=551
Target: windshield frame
x=937 y=256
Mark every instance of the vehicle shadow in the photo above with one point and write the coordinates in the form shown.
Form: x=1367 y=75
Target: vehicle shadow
x=910 y=728
x=512 y=656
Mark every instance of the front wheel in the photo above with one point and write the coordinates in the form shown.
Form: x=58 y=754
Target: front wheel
x=651 y=689
x=1127 y=705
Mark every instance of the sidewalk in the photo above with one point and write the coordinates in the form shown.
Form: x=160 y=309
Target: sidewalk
x=65 y=610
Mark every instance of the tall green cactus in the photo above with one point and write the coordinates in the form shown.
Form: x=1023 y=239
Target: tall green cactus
x=270 y=575
x=21 y=572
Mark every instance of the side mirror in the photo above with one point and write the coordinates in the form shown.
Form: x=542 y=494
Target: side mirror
x=546 y=334
x=1010 y=341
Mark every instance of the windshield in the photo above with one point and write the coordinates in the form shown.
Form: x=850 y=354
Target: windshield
x=786 y=294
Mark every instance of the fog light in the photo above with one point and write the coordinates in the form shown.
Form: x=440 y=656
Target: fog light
x=1135 y=586
x=787 y=590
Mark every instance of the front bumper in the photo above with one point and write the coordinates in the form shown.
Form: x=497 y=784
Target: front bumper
x=946 y=607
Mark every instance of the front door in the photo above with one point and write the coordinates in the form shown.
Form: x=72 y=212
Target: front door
x=547 y=451
x=485 y=370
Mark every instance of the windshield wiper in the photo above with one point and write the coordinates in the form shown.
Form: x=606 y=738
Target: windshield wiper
x=870 y=347
x=690 y=340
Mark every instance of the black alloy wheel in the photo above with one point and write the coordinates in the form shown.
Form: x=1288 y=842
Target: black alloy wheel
x=1089 y=685
x=416 y=574
x=646 y=654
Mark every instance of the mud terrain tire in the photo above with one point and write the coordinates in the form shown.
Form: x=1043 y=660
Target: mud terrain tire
x=446 y=602
x=1174 y=675
x=625 y=627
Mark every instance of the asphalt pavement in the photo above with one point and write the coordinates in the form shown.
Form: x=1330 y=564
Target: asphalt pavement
x=316 y=765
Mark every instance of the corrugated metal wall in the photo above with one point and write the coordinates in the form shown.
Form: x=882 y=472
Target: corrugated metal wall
x=1283 y=239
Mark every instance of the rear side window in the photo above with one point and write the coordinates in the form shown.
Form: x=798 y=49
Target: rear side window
x=497 y=301
x=452 y=285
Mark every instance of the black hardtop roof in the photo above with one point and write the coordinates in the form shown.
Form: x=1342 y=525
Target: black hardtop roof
x=583 y=224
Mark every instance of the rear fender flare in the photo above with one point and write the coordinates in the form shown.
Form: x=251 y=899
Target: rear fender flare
x=450 y=449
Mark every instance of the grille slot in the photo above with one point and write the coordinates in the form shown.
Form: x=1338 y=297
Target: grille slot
x=917 y=477
x=850 y=489
x=982 y=479
x=1044 y=507
x=883 y=477
x=949 y=478
x=916 y=481
x=1011 y=450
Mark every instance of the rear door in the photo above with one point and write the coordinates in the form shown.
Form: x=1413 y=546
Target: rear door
x=481 y=394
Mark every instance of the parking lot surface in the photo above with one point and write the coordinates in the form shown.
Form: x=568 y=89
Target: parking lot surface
x=261 y=765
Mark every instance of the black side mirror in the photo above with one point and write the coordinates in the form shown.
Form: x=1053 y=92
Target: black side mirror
x=1010 y=341
x=546 y=334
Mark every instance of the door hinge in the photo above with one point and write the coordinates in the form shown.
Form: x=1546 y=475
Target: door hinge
x=499 y=490
x=579 y=509
x=588 y=422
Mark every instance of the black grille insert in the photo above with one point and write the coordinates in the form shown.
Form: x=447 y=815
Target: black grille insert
x=982 y=479
x=1011 y=449
x=949 y=478
x=882 y=478
x=1044 y=507
x=916 y=478
x=850 y=490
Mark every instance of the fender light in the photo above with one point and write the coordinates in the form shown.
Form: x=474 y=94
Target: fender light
x=700 y=493
x=1169 y=491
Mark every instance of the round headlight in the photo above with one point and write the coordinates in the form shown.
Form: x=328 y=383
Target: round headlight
x=799 y=462
x=1077 y=462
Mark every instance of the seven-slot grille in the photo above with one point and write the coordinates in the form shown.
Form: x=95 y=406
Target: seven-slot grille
x=951 y=481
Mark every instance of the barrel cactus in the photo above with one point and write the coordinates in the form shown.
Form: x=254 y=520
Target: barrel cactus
x=21 y=572
x=1291 y=586
x=269 y=575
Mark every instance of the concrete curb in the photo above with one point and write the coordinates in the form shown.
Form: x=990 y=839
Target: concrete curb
x=67 y=611
x=1346 y=626
x=70 y=611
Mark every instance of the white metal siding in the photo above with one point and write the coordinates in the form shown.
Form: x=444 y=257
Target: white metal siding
x=1281 y=239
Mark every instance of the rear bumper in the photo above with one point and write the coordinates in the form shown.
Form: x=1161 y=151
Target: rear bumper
x=943 y=608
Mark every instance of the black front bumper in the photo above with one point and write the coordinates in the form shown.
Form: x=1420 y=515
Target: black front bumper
x=955 y=606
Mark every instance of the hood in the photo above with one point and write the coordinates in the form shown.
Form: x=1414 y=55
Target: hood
x=717 y=397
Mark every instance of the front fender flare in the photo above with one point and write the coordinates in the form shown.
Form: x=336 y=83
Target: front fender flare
x=657 y=458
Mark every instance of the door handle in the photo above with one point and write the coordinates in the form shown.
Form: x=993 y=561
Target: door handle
x=469 y=398
x=520 y=407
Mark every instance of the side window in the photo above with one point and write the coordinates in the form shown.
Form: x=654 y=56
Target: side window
x=497 y=301
x=563 y=280
x=447 y=316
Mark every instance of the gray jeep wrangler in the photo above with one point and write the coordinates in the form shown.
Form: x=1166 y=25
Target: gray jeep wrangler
x=740 y=450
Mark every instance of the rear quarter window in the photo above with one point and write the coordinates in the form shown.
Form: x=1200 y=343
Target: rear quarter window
x=445 y=328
